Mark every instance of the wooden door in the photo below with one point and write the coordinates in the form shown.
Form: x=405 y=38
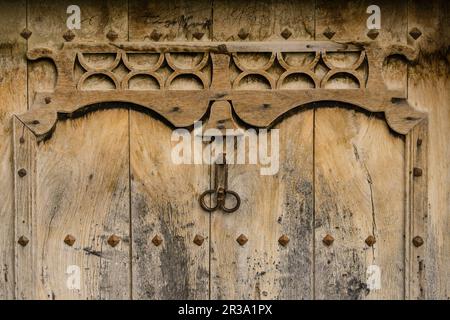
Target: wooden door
x=99 y=199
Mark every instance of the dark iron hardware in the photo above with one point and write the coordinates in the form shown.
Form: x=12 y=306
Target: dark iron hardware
x=220 y=189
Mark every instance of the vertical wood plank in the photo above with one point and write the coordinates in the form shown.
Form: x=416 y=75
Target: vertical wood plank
x=273 y=205
x=416 y=286
x=164 y=195
x=360 y=190
x=170 y=20
x=25 y=210
x=79 y=193
x=13 y=84
x=429 y=91
x=359 y=174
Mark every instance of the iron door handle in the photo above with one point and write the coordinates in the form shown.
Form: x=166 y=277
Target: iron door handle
x=220 y=190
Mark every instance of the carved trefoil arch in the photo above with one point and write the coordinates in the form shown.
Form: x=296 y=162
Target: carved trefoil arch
x=219 y=73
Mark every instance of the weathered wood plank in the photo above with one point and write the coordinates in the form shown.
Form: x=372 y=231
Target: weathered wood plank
x=359 y=173
x=25 y=211
x=170 y=20
x=272 y=205
x=79 y=193
x=429 y=91
x=347 y=19
x=359 y=192
x=164 y=204
x=83 y=191
x=416 y=228
x=13 y=83
x=258 y=20
x=164 y=195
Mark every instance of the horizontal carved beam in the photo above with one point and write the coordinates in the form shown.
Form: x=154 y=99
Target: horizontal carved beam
x=221 y=72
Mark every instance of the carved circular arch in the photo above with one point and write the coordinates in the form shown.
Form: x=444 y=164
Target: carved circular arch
x=129 y=76
x=199 y=66
x=133 y=67
x=287 y=66
x=263 y=74
x=307 y=73
x=196 y=74
x=106 y=73
x=354 y=66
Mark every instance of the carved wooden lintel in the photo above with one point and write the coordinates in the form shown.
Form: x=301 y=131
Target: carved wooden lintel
x=220 y=71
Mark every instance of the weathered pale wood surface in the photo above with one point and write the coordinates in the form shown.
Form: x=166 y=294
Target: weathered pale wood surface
x=429 y=90
x=164 y=204
x=82 y=175
x=13 y=84
x=164 y=195
x=83 y=191
x=359 y=192
x=258 y=20
x=24 y=213
x=359 y=177
x=272 y=206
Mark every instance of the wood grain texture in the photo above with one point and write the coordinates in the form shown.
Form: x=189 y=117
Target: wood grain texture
x=170 y=20
x=359 y=191
x=164 y=194
x=275 y=205
x=429 y=90
x=83 y=191
x=359 y=175
x=259 y=20
x=272 y=206
x=25 y=211
x=93 y=203
x=13 y=79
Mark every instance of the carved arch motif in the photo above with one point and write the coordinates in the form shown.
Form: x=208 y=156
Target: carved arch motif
x=259 y=108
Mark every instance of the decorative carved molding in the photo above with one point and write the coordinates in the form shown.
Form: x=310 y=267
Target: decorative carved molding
x=219 y=69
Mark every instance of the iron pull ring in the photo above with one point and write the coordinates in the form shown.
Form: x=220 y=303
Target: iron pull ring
x=221 y=196
x=221 y=190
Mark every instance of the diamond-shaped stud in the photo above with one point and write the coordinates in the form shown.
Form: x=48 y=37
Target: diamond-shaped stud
x=155 y=35
x=328 y=240
x=417 y=172
x=69 y=240
x=417 y=241
x=286 y=33
x=157 y=240
x=113 y=240
x=112 y=35
x=242 y=239
x=329 y=33
x=370 y=240
x=284 y=240
x=23 y=241
x=372 y=34
x=415 y=33
x=22 y=172
x=198 y=35
x=69 y=35
x=26 y=33
x=198 y=240
x=243 y=34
